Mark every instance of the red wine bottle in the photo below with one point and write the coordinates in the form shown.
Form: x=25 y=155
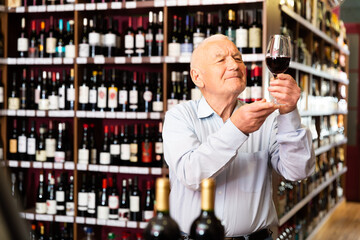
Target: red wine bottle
x=82 y=198
x=84 y=150
x=31 y=143
x=135 y=200
x=23 y=41
x=113 y=199
x=123 y=93
x=13 y=142
x=91 y=203
x=149 y=203
x=134 y=147
x=69 y=204
x=113 y=91
x=40 y=149
x=129 y=41
x=147 y=147
x=159 y=151
x=104 y=157
x=22 y=142
x=125 y=146
x=60 y=195
x=51 y=198
x=33 y=45
x=23 y=91
x=103 y=206
x=115 y=147
x=40 y=205
x=50 y=144
x=124 y=202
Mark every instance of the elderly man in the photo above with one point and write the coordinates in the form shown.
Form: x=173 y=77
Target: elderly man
x=238 y=144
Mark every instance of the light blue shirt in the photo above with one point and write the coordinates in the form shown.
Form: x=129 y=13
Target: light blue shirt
x=198 y=145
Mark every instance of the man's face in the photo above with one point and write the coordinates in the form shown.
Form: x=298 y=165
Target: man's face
x=222 y=69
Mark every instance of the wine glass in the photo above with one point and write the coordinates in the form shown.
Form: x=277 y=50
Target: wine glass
x=278 y=55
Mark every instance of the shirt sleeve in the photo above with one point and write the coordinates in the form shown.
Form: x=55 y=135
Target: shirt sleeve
x=192 y=160
x=292 y=153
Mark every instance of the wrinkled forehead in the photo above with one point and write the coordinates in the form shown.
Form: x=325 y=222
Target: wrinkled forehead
x=220 y=48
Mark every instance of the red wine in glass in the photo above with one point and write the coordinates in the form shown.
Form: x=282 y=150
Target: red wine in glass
x=277 y=65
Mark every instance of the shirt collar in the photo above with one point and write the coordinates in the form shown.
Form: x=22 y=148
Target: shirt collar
x=204 y=109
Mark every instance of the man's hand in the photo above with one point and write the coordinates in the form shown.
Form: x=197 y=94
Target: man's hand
x=250 y=117
x=286 y=91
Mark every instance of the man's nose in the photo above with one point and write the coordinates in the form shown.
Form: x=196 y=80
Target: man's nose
x=232 y=64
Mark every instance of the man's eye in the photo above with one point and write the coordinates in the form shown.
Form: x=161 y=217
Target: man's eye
x=238 y=59
x=220 y=60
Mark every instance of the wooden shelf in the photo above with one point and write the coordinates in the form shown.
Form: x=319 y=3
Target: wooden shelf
x=312 y=28
x=326 y=148
x=311 y=195
x=319 y=73
x=327 y=113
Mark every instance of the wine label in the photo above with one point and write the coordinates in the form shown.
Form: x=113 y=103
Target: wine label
x=186 y=48
x=50 y=45
x=43 y=104
x=242 y=38
x=13 y=146
x=133 y=152
x=174 y=49
x=91 y=202
x=147 y=96
x=124 y=214
x=104 y=158
x=70 y=51
x=70 y=94
x=123 y=97
x=255 y=37
x=158 y=106
x=159 y=38
x=198 y=38
x=84 y=50
x=93 y=155
x=148 y=214
x=60 y=207
x=129 y=44
x=82 y=201
x=133 y=97
x=140 y=43
x=231 y=35
x=101 y=97
x=59 y=156
x=256 y=93
x=110 y=40
x=83 y=156
x=60 y=50
x=149 y=38
x=103 y=212
x=53 y=102
x=50 y=147
x=22 y=144
x=83 y=94
x=125 y=152
x=94 y=39
x=22 y=44
x=70 y=208
x=92 y=96
x=147 y=152
x=112 y=98
x=134 y=203
x=13 y=103
x=50 y=206
x=61 y=98
x=60 y=196
x=37 y=95
x=171 y=103
x=40 y=207
x=159 y=148
x=113 y=202
x=40 y=155
x=115 y=149
x=1 y=94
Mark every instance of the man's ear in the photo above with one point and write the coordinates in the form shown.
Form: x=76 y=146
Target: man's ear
x=196 y=77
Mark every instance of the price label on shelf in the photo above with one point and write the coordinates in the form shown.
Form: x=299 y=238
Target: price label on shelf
x=101 y=222
x=184 y=59
x=44 y=217
x=91 y=221
x=101 y=6
x=30 y=216
x=218 y=2
x=170 y=3
x=21 y=61
x=81 y=167
x=30 y=113
x=99 y=115
x=99 y=60
x=37 y=165
x=131 y=224
x=13 y=163
x=207 y=2
x=11 y=61
x=68 y=219
x=22 y=215
x=110 y=115
x=113 y=169
x=58 y=165
x=194 y=2
x=29 y=61
x=155 y=115
x=116 y=5
x=57 y=60
x=231 y=1
x=81 y=114
x=93 y=167
x=115 y=223
x=69 y=7
x=90 y=6
x=159 y=3
x=123 y=169
x=120 y=60
x=48 y=165
x=47 y=61
x=11 y=112
x=51 y=8
x=81 y=60
x=121 y=115
x=136 y=60
x=41 y=8
x=103 y=168
x=143 y=170
x=143 y=225
x=80 y=220
x=60 y=8
x=40 y=113
x=20 y=9
x=69 y=165
x=141 y=115
x=80 y=7
x=155 y=59
x=38 y=61
x=169 y=59
x=130 y=4
x=90 y=114
x=25 y=164
x=21 y=113
x=156 y=171
x=182 y=2
x=131 y=115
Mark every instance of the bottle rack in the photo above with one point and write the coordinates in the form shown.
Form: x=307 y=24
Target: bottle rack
x=270 y=21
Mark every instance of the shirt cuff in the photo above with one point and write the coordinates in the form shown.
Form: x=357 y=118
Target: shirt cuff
x=289 y=122
x=232 y=135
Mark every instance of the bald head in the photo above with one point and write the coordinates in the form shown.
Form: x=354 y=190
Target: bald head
x=198 y=53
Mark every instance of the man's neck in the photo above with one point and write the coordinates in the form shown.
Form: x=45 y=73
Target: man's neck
x=223 y=107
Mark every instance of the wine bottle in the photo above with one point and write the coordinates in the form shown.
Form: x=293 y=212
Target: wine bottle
x=133 y=94
x=147 y=147
x=207 y=226
x=110 y=40
x=115 y=147
x=50 y=144
x=220 y=26
x=69 y=204
x=31 y=143
x=83 y=153
x=40 y=205
x=123 y=93
x=92 y=145
x=255 y=33
x=113 y=199
x=70 y=42
x=13 y=142
x=91 y=203
x=135 y=200
x=93 y=91
x=53 y=95
x=61 y=90
x=140 y=38
x=70 y=92
x=38 y=89
x=147 y=96
x=23 y=41
x=94 y=38
x=159 y=151
x=185 y=95
x=230 y=30
x=149 y=203
x=174 y=47
x=103 y=206
x=33 y=45
x=199 y=34
x=51 y=198
x=82 y=198
x=149 y=36
x=113 y=91
x=125 y=146
x=134 y=147
x=124 y=203
x=21 y=190
x=256 y=86
x=84 y=92
x=173 y=98
x=84 y=48
x=209 y=30
x=14 y=100
x=60 y=195
x=22 y=142
x=23 y=90
x=104 y=157
x=51 y=40
x=40 y=149
x=42 y=40
x=187 y=45
x=159 y=37
x=43 y=100
x=162 y=226
x=102 y=93
x=242 y=32
x=129 y=41
x=60 y=152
